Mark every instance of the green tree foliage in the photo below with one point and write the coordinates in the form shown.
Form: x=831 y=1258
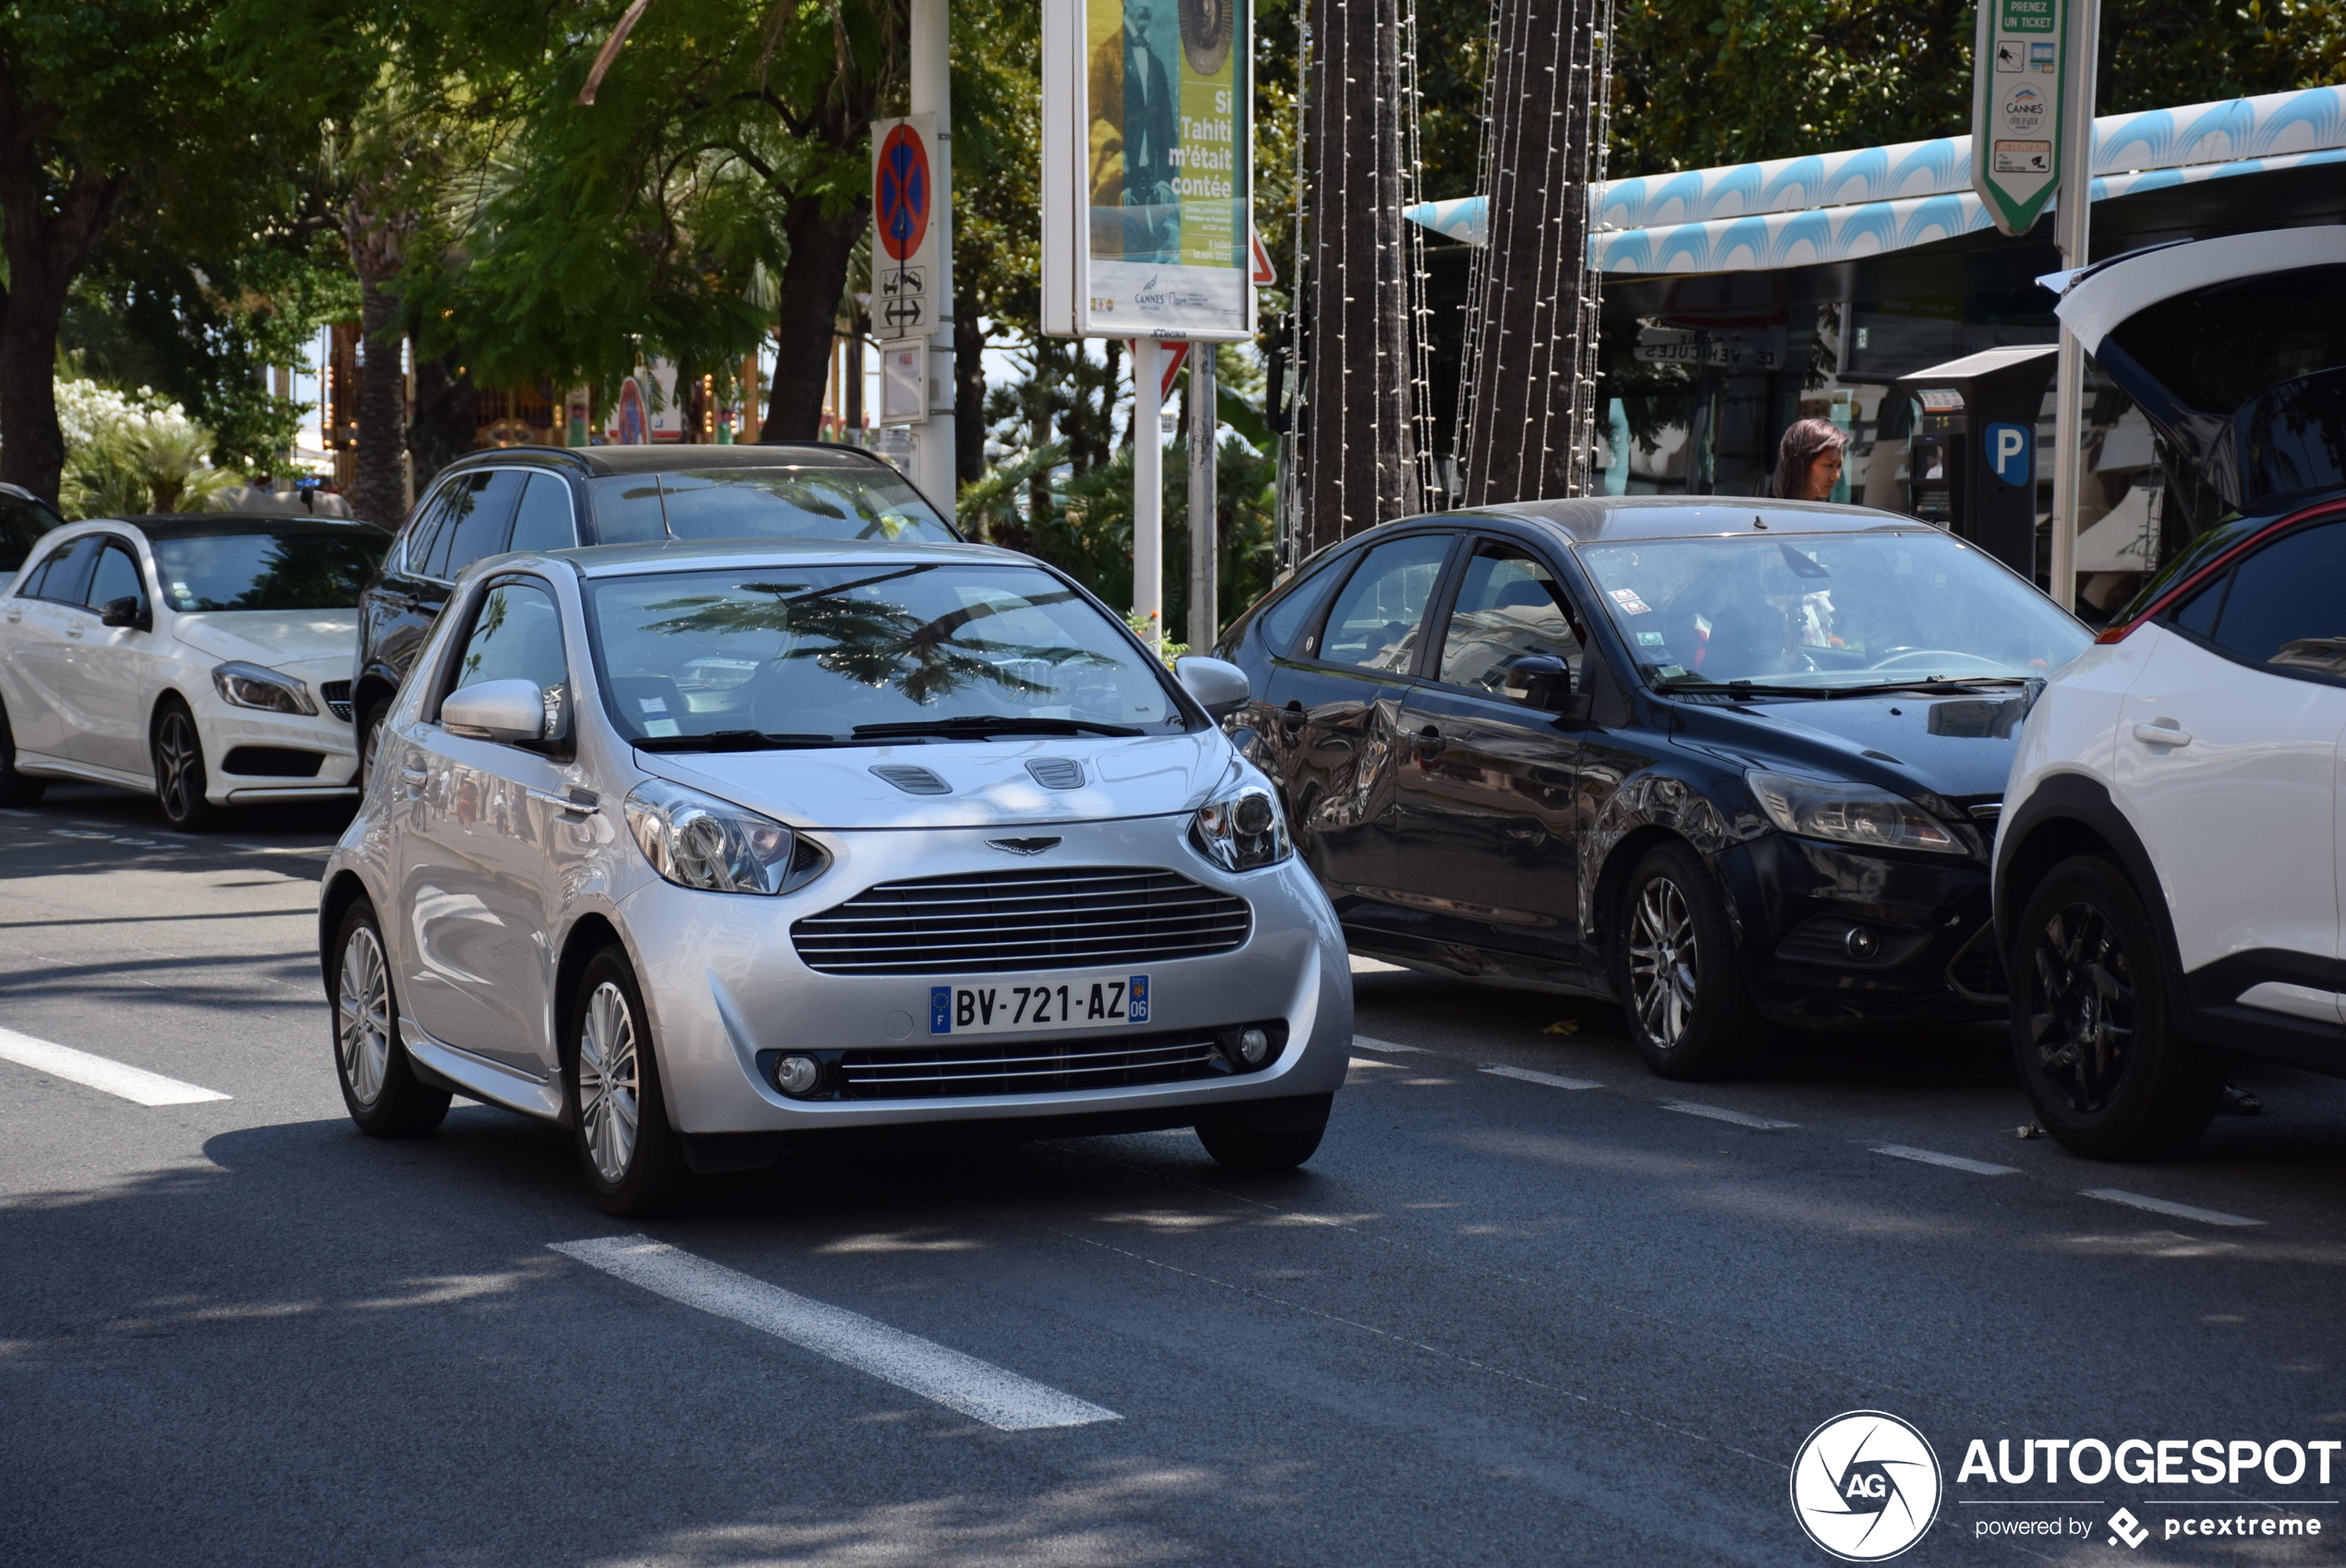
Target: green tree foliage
x=114 y=111
x=1700 y=83
x=724 y=160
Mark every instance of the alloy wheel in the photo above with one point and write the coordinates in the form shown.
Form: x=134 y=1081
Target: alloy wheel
x=362 y=1016
x=607 y=1083
x=181 y=761
x=2082 y=1023
x=1663 y=968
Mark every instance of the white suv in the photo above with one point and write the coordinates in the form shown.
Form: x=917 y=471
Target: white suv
x=2167 y=863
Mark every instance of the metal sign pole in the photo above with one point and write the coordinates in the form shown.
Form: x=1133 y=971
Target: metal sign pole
x=2073 y=225
x=1148 y=489
x=932 y=466
x=1206 y=618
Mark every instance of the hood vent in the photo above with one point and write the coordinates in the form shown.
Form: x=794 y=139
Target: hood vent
x=912 y=780
x=1057 y=773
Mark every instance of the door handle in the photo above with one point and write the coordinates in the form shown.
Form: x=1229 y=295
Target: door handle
x=73 y=630
x=579 y=802
x=2161 y=732
x=413 y=774
x=1428 y=742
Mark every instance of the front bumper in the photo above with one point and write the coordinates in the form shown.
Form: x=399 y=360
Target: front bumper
x=724 y=984
x=250 y=737
x=1926 y=951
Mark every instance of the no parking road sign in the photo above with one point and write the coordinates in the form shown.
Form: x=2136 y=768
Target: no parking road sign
x=904 y=228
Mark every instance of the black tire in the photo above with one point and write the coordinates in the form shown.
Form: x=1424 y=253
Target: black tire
x=176 y=747
x=16 y=790
x=1248 y=1149
x=371 y=729
x=379 y=1083
x=633 y=1158
x=1676 y=971
x=2093 y=1025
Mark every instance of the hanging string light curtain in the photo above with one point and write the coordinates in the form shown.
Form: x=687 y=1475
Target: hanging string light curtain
x=1527 y=411
x=1363 y=448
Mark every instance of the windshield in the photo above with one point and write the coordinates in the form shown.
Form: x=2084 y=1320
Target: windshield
x=812 y=654
x=1885 y=607
x=304 y=570
x=861 y=502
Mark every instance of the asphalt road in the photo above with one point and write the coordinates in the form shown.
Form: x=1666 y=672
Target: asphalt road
x=1495 y=1321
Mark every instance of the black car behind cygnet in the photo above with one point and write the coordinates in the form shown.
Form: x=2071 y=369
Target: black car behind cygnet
x=1732 y=764
x=532 y=498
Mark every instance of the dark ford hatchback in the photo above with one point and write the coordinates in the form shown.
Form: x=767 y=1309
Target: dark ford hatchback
x=555 y=498
x=1729 y=764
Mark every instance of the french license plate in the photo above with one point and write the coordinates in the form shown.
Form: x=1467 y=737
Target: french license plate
x=1042 y=1001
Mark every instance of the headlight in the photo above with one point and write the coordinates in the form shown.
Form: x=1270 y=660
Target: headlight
x=1852 y=814
x=248 y=685
x=1241 y=830
x=696 y=840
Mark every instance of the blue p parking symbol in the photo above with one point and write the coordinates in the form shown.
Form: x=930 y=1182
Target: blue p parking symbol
x=2011 y=452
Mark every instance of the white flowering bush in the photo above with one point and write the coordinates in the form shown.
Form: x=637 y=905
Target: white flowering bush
x=129 y=452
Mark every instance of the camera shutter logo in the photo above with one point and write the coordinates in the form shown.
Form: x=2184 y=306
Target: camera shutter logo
x=1866 y=1486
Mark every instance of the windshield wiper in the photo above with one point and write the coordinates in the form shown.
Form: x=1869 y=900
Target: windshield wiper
x=977 y=726
x=1699 y=685
x=734 y=741
x=1932 y=683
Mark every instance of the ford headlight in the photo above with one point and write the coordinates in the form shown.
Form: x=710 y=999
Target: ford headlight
x=697 y=840
x=250 y=685
x=1241 y=830
x=1852 y=814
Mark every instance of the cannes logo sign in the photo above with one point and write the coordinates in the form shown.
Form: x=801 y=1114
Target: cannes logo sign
x=1866 y=1486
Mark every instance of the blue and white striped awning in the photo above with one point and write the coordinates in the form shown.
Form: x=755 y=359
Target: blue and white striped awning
x=1840 y=206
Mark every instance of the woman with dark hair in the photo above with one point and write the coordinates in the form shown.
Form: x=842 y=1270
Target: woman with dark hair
x=1809 y=462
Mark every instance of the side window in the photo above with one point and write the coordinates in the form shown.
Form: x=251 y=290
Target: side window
x=480 y=517
x=20 y=529
x=1285 y=620
x=1375 y=622
x=2288 y=603
x=628 y=509
x=2197 y=613
x=424 y=529
x=66 y=578
x=117 y=577
x=543 y=521
x=516 y=635
x=1509 y=606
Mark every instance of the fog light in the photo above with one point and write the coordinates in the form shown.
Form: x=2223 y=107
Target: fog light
x=797 y=1075
x=1859 y=943
x=1254 y=1045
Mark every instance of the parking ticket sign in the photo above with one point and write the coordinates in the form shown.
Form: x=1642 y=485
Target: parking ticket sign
x=2016 y=108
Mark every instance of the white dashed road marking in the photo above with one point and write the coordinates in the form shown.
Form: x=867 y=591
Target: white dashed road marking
x=1952 y=1162
x=975 y=1388
x=100 y=1072
x=1551 y=1080
x=1721 y=1114
x=2161 y=1206
x=1366 y=1044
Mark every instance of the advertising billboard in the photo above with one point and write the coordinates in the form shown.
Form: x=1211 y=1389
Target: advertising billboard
x=1148 y=148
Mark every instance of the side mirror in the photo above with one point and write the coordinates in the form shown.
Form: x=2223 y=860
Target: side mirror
x=499 y=710
x=1221 y=689
x=126 y=611
x=1538 y=681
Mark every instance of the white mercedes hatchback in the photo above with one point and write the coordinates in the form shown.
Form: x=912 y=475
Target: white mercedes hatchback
x=713 y=852
x=204 y=659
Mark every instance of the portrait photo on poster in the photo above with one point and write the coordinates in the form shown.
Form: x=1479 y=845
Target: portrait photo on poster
x=1166 y=94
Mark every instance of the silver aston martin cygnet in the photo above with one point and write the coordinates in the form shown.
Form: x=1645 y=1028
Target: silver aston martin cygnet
x=712 y=853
